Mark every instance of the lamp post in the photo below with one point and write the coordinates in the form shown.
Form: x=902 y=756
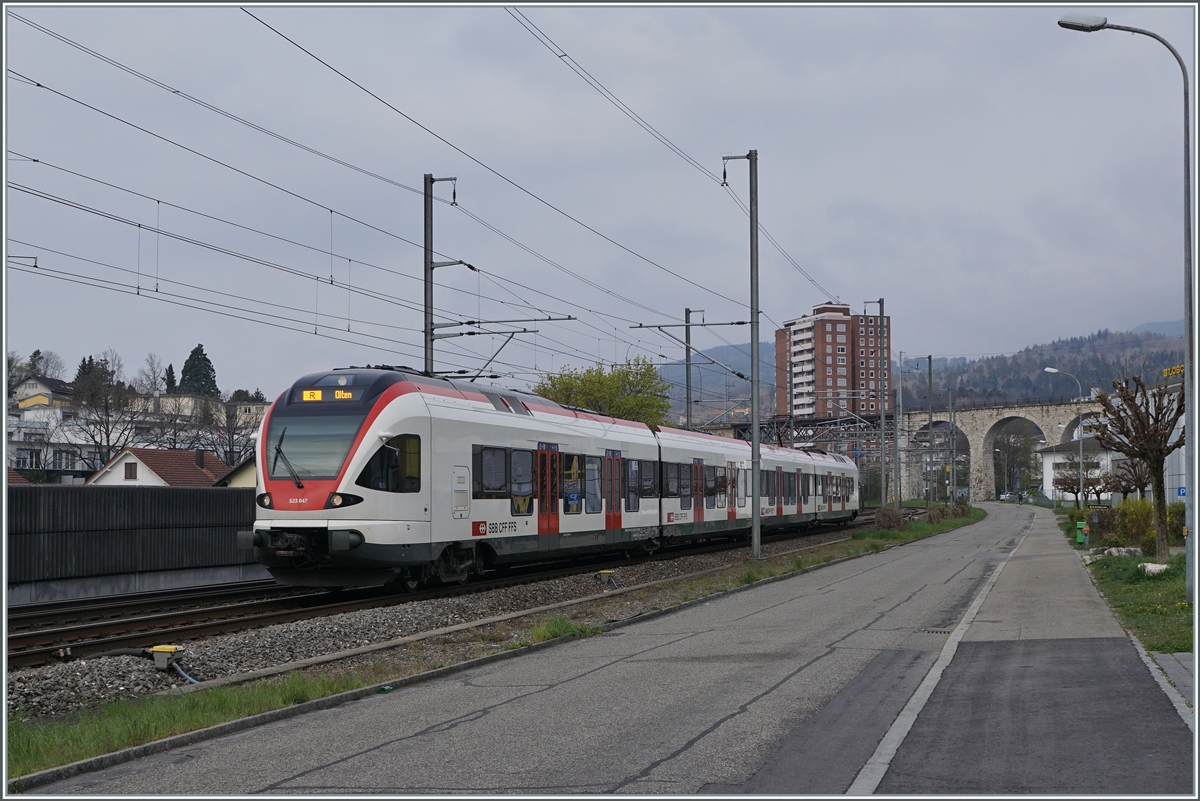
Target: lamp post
x=1079 y=407
x=1089 y=23
x=1005 y=455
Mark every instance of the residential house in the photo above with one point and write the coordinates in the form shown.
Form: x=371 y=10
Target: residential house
x=160 y=467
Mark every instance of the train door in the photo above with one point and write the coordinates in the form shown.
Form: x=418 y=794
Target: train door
x=612 y=489
x=698 y=497
x=797 y=499
x=731 y=493
x=780 y=491
x=460 y=492
x=547 y=488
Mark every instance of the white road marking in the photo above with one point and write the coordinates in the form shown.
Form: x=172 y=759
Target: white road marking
x=872 y=773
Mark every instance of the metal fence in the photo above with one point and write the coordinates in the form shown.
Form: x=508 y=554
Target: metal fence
x=58 y=532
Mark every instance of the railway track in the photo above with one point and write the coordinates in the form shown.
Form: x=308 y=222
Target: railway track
x=71 y=630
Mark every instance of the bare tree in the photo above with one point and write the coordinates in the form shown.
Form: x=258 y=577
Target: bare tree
x=228 y=433
x=48 y=364
x=107 y=417
x=1141 y=421
x=171 y=422
x=151 y=377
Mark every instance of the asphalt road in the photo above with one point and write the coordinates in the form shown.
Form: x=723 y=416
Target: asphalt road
x=789 y=687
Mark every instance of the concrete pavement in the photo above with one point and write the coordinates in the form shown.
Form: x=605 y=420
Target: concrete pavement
x=786 y=688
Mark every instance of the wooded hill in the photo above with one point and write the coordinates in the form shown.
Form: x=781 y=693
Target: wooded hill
x=1094 y=359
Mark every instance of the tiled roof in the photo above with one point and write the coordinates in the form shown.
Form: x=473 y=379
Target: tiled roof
x=16 y=478
x=60 y=387
x=178 y=468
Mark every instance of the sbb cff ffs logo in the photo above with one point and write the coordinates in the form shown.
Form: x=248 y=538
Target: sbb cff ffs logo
x=479 y=529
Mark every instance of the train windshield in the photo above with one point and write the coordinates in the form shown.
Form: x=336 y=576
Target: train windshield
x=314 y=446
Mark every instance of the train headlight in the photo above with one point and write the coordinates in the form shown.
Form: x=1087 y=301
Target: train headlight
x=338 y=500
x=264 y=500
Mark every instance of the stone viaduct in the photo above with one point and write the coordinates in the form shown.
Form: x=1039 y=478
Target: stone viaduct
x=980 y=426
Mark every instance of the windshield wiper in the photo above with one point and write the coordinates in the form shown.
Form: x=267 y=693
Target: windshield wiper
x=279 y=454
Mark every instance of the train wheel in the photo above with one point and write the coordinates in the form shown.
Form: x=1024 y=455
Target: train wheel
x=408 y=581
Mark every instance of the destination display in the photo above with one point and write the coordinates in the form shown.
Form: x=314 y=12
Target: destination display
x=326 y=395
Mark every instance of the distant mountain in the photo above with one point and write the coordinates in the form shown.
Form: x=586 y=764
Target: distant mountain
x=1094 y=359
x=1172 y=328
x=717 y=389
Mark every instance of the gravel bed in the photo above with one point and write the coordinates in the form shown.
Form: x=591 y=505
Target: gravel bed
x=57 y=690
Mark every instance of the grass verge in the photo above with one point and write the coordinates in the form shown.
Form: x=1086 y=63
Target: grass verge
x=1154 y=608
x=40 y=744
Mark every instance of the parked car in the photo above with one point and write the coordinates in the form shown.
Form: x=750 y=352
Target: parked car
x=1008 y=496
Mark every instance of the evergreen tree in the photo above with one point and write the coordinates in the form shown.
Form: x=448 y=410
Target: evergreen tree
x=169 y=380
x=198 y=376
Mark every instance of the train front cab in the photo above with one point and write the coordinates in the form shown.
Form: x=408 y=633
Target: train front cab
x=343 y=473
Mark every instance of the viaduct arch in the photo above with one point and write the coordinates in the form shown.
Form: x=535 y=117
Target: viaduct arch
x=980 y=425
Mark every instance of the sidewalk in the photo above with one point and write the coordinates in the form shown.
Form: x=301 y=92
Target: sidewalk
x=1180 y=671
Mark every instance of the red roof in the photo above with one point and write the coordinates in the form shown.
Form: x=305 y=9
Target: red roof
x=178 y=468
x=16 y=478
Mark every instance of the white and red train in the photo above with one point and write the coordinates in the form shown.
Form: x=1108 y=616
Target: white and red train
x=379 y=475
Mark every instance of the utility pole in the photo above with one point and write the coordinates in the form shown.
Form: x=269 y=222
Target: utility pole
x=430 y=264
x=897 y=487
x=755 y=435
x=953 y=446
x=882 y=413
x=687 y=336
x=929 y=500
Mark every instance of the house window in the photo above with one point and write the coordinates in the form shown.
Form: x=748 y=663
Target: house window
x=841 y=337
x=872 y=332
x=841 y=326
x=860 y=332
x=862 y=384
x=841 y=349
x=872 y=374
x=862 y=407
x=131 y=471
x=872 y=407
x=841 y=359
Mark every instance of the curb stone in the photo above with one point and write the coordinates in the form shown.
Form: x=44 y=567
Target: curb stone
x=91 y=764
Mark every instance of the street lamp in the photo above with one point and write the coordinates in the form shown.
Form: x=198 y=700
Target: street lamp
x=1079 y=408
x=1005 y=455
x=1089 y=23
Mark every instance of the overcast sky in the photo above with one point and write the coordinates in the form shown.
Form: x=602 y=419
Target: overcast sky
x=999 y=180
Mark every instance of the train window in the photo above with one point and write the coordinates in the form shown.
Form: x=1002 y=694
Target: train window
x=649 y=479
x=710 y=487
x=685 y=486
x=632 y=484
x=395 y=467
x=521 y=474
x=591 y=486
x=743 y=490
x=490 y=476
x=572 y=483
x=722 y=486
x=671 y=479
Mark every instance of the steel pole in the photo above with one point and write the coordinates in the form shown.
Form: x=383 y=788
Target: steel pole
x=756 y=520
x=687 y=337
x=896 y=418
x=929 y=501
x=428 y=273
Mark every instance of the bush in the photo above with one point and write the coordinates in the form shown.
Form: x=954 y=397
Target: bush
x=1135 y=522
x=934 y=515
x=962 y=508
x=1175 y=518
x=889 y=519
